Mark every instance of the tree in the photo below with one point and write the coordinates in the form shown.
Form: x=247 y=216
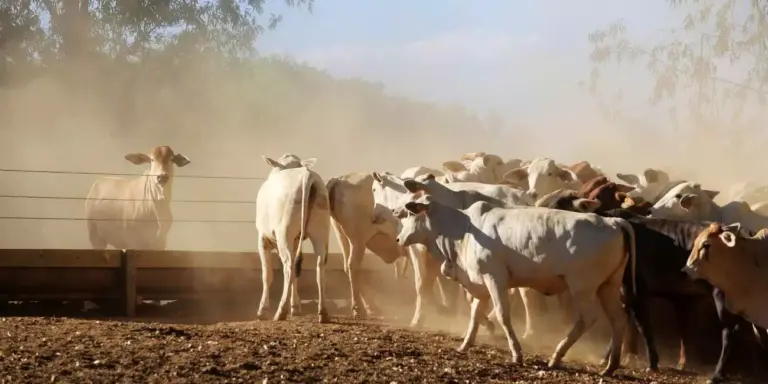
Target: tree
x=689 y=66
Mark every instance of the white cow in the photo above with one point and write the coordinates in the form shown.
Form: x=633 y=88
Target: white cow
x=688 y=201
x=292 y=205
x=390 y=192
x=650 y=185
x=351 y=202
x=478 y=167
x=752 y=193
x=543 y=176
x=489 y=250
x=134 y=213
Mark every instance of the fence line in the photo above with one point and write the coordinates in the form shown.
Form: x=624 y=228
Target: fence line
x=115 y=199
x=127 y=174
x=132 y=220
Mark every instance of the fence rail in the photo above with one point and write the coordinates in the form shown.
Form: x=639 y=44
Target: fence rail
x=38 y=197
x=71 y=274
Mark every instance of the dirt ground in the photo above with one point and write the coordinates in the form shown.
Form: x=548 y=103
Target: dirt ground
x=78 y=350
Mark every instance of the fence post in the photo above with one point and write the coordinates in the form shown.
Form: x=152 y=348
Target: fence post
x=128 y=269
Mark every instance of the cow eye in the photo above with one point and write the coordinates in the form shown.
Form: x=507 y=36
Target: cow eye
x=678 y=196
x=549 y=174
x=705 y=245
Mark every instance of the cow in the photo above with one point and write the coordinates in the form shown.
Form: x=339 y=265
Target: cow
x=543 y=176
x=390 y=192
x=489 y=250
x=650 y=185
x=662 y=248
x=750 y=192
x=585 y=171
x=292 y=205
x=477 y=167
x=356 y=228
x=735 y=264
x=135 y=213
x=688 y=201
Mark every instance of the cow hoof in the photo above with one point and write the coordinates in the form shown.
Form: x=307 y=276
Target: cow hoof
x=652 y=370
x=607 y=372
x=462 y=349
x=280 y=316
x=714 y=380
x=553 y=363
x=323 y=318
x=517 y=359
x=261 y=316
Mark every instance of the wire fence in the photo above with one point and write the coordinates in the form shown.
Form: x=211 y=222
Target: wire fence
x=9 y=170
x=80 y=198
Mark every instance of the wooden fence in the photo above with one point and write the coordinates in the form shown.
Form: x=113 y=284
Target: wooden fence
x=56 y=274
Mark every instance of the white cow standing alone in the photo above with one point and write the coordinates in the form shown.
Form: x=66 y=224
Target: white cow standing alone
x=291 y=206
x=134 y=213
x=489 y=250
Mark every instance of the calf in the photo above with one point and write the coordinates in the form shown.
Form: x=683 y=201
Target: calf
x=489 y=250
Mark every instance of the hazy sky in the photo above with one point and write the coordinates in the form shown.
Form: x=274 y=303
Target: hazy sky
x=519 y=57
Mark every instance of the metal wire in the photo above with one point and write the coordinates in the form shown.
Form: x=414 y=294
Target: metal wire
x=100 y=219
x=127 y=174
x=114 y=199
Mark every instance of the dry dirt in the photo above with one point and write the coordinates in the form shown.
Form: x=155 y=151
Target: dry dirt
x=60 y=349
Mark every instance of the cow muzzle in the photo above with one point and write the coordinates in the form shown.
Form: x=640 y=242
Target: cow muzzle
x=690 y=271
x=163 y=178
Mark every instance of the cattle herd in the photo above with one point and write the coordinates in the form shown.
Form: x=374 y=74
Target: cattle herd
x=533 y=228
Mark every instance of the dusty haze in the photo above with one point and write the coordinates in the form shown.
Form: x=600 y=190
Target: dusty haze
x=209 y=117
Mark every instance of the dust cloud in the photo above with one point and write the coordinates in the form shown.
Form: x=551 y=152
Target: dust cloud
x=79 y=122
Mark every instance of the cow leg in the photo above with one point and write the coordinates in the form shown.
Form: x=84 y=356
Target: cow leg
x=353 y=266
x=529 y=301
x=286 y=255
x=266 y=277
x=320 y=246
x=585 y=310
x=295 y=298
x=449 y=293
x=419 y=272
x=729 y=324
x=641 y=321
x=344 y=242
x=609 y=295
x=500 y=296
x=681 y=316
x=477 y=310
x=98 y=243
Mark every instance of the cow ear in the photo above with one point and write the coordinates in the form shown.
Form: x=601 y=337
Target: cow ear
x=629 y=179
x=733 y=227
x=272 y=162
x=416 y=208
x=624 y=188
x=567 y=175
x=429 y=176
x=377 y=177
x=712 y=194
x=516 y=175
x=413 y=186
x=453 y=166
x=728 y=238
x=309 y=163
x=138 y=158
x=180 y=160
x=688 y=200
x=651 y=176
x=586 y=205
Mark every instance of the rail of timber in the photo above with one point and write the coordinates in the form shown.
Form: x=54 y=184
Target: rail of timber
x=57 y=274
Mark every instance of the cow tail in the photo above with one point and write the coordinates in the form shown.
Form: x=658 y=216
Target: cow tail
x=630 y=247
x=304 y=218
x=331 y=185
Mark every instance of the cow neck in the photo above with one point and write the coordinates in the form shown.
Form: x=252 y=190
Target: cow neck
x=451 y=242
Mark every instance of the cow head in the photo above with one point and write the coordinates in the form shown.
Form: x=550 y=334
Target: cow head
x=687 y=201
x=543 y=176
x=712 y=251
x=648 y=184
x=568 y=200
x=161 y=161
x=288 y=161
